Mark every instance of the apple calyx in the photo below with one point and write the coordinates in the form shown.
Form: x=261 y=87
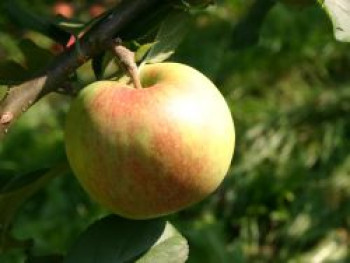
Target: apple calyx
x=126 y=59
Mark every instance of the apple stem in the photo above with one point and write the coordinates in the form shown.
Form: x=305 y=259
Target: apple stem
x=127 y=62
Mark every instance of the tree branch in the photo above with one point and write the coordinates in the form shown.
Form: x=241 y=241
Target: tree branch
x=19 y=98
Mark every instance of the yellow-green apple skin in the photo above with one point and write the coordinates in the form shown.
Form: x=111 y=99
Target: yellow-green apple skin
x=144 y=153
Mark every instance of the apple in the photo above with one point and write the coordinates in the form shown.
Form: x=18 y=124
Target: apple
x=151 y=151
x=64 y=9
x=96 y=9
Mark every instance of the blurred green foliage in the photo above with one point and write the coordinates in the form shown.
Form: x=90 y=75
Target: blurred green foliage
x=287 y=195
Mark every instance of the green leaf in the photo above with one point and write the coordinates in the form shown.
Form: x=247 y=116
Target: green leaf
x=144 y=30
x=36 y=57
x=101 y=64
x=116 y=239
x=8 y=242
x=199 y=3
x=142 y=51
x=171 y=247
x=97 y=65
x=16 y=192
x=21 y=15
x=56 y=258
x=339 y=13
x=72 y=26
x=169 y=36
x=12 y=73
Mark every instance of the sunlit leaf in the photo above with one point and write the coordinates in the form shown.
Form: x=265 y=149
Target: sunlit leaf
x=69 y=25
x=171 y=247
x=170 y=34
x=142 y=51
x=116 y=239
x=339 y=13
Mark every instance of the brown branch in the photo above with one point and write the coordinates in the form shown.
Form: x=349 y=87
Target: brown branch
x=97 y=38
x=18 y=100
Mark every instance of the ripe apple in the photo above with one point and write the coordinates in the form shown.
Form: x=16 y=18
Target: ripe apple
x=148 y=152
x=96 y=9
x=64 y=9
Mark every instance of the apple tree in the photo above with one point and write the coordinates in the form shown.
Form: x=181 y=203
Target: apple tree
x=91 y=43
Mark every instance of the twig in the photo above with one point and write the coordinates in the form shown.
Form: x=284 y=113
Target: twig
x=127 y=61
